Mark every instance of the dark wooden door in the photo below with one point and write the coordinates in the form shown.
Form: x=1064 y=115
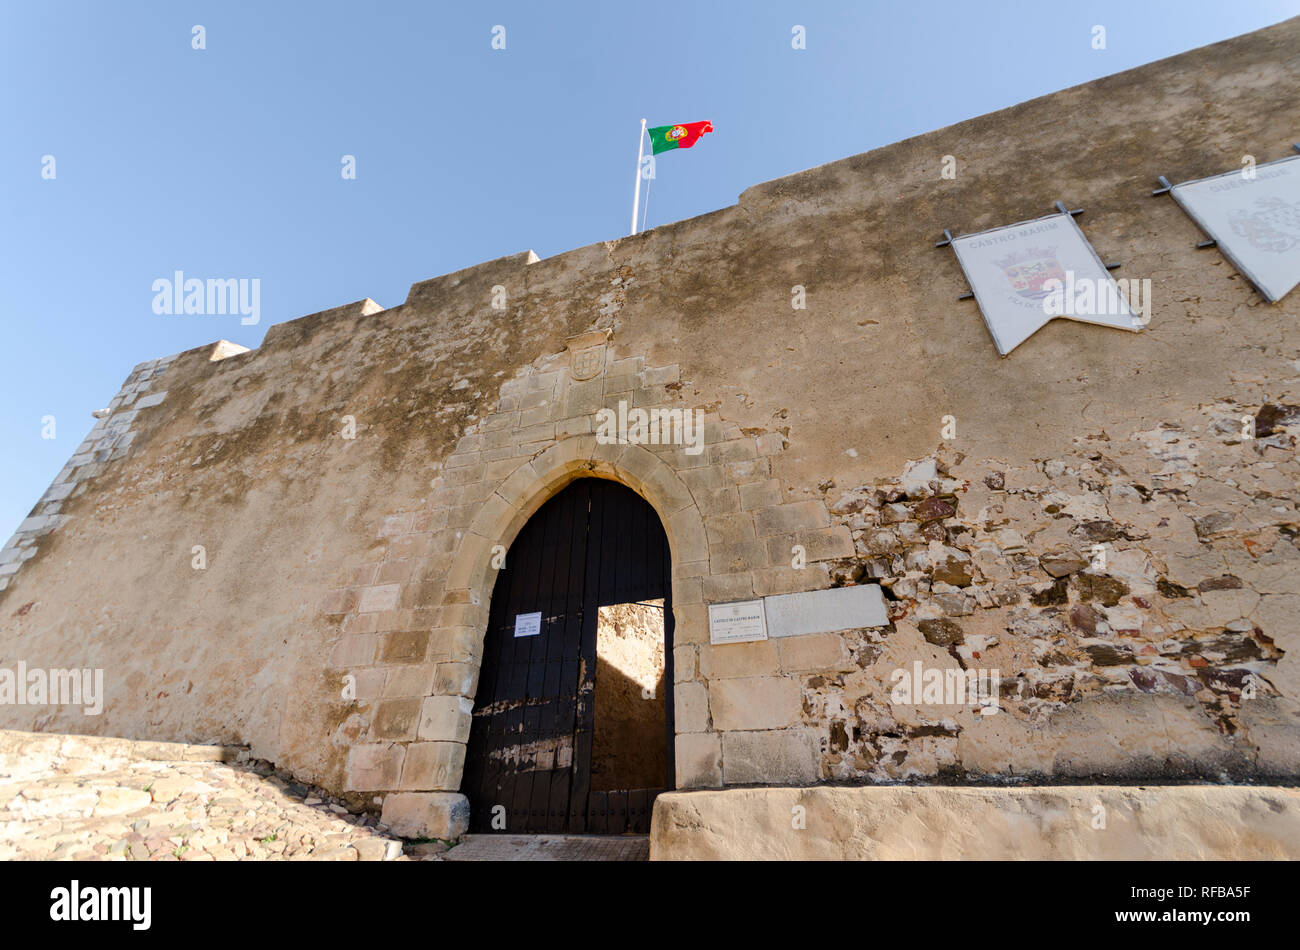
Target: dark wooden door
x=530 y=747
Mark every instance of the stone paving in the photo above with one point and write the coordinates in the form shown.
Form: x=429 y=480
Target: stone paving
x=551 y=848
x=92 y=798
x=83 y=798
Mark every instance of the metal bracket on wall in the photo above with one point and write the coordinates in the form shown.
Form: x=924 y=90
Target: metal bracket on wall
x=947 y=239
x=947 y=242
x=1061 y=207
x=1165 y=186
x=1164 y=189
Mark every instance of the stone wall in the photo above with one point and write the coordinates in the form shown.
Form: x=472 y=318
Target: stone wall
x=1079 y=823
x=630 y=698
x=348 y=480
x=1160 y=562
x=108 y=441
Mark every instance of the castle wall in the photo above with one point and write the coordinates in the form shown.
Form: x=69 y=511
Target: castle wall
x=369 y=557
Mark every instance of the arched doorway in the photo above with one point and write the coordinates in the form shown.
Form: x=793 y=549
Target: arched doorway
x=572 y=725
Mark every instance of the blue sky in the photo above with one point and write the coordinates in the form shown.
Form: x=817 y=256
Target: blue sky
x=226 y=161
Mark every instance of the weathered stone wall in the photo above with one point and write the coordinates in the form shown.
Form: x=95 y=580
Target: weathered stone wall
x=1160 y=563
x=337 y=623
x=1073 y=822
x=628 y=748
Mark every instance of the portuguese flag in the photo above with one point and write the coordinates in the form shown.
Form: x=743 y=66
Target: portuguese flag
x=666 y=137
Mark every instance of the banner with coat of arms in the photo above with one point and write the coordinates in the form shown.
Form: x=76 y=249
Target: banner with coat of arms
x=1020 y=272
x=1254 y=215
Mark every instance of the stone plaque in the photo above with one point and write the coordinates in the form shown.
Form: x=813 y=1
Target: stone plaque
x=825 y=611
x=528 y=625
x=740 y=622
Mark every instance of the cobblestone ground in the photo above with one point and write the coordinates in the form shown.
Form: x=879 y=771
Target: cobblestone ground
x=551 y=848
x=90 y=798
x=79 y=798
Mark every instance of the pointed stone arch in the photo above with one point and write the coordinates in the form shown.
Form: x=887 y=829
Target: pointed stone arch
x=501 y=517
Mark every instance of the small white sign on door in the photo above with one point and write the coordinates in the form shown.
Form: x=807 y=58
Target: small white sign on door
x=528 y=625
x=739 y=622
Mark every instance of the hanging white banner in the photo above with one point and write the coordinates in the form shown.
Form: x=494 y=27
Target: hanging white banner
x=1026 y=274
x=1255 y=220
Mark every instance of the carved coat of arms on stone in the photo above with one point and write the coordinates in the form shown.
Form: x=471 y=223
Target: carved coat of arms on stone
x=587 y=354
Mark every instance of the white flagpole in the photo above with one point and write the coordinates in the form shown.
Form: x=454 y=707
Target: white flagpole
x=636 y=195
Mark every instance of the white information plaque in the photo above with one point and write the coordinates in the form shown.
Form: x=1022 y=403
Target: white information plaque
x=1254 y=216
x=825 y=611
x=528 y=625
x=740 y=622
